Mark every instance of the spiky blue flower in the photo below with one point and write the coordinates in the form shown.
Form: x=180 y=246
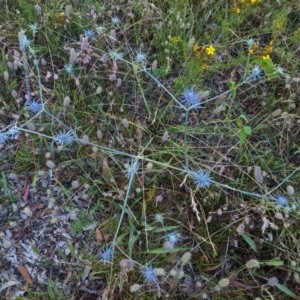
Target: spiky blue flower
x=250 y=43
x=149 y=274
x=255 y=75
x=25 y=42
x=13 y=132
x=65 y=138
x=34 y=28
x=106 y=255
x=281 y=201
x=115 y=55
x=256 y=72
x=279 y=70
x=89 y=33
x=190 y=98
x=172 y=238
x=159 y=218
x=100 y=29
x=116 y=21
x=34 y=106
x=140 y=58
x=202 y=179
x=3 y=138
x=69 y=68
x=131 y=169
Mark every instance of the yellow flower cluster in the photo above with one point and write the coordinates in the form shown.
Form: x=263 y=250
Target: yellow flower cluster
x=263 y=52
x=242 y=4
x=203 y=51
x=204 y=54
x=175 y=40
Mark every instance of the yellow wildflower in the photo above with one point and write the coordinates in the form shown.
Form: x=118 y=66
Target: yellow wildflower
x=196 y=47
x=210 y=50
x=174 y=40
x=236 y=10
x=266 y=57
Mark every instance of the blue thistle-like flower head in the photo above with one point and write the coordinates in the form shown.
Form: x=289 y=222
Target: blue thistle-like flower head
x=190 y=98
x=65 y=138
x=34 y=106
x=115 y=54
x=172 y=238
x=131 y=169
x=3 y=138
x=149 y=274
x=116 y=21
x=69 y=68
x=256 y=72
x=100 y=29
x=202 y=179
x=34 y=28
x=106 y=255
x=24 y=42
x=255 y=75
x=140 y=58
x=159 y=218
x=89 y=33
x=13 y=132
x=279 y=70
x=281 y=201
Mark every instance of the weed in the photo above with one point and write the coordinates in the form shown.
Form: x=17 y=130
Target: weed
x=147 y=134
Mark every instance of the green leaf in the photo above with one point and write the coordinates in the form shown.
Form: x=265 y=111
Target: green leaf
x=242 y=136
x=286 y=290
x=249 y=241
x=165 y=228
x=247 y=130
x=232 y=87
x=274 y=262
x=163 y=250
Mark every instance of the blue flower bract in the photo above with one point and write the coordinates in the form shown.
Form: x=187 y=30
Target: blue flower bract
x=172 y=238
x=34 y=106
x=65 y=138
x=106 y=255
x=2 y=138
x=281 y=200
x=89 y=33
x=149 y=274
x=190 y=98
x=69 y=68
x=202 y=179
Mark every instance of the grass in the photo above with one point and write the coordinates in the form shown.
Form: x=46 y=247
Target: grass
x=155 y=146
